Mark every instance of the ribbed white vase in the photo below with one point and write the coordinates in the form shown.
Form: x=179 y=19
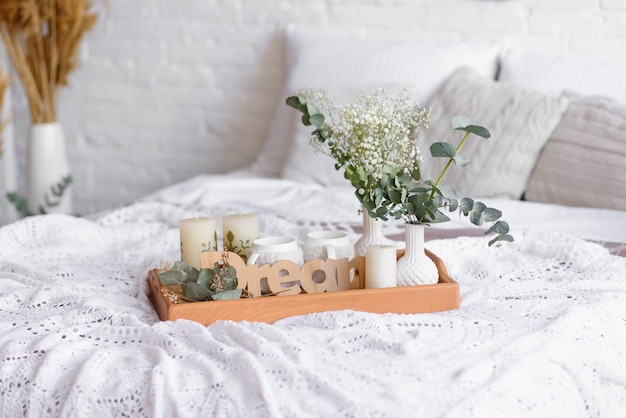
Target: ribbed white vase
x=415 y=267
x=372 y=235
x=48 y=173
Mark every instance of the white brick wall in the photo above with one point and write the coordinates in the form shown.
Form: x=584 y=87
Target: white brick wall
x=167 y=89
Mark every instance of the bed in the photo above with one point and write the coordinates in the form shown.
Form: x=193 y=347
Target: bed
x=541 y=329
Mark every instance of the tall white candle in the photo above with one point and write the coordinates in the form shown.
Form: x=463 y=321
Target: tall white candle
x=380 y=266
x=240 y=231
x=197 y=235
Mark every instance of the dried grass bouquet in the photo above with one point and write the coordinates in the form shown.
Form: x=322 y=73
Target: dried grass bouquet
x=42 y=39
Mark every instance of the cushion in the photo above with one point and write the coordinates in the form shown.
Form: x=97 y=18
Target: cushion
x=342 y=65
x=584 y=161
x=554 y=74
x=520 y=121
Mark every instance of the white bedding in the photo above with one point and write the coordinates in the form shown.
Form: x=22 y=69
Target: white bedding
x=541 y=330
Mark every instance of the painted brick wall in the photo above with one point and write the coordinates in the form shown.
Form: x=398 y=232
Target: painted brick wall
x=168 y=89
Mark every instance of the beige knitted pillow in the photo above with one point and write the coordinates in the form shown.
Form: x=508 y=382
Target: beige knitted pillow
x=520 y=121
x=584 y=162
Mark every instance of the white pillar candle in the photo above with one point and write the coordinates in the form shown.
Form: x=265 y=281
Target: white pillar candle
x=380 y=266
x=240 y=231
x=197 y=235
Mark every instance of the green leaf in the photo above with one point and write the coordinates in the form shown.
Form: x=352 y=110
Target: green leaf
x=476 y=218
x=317 y=120
x=500 y=227
x=440 y=217
x=381 y=213
x=466 y=205
x=293 y=101
x=311 y=109
x=461 y=161
x=479 y=207
x=196 y=291
x=492 y=214
x=172 y=277
x=395 y=196
x=463 y=123
x=227 y=295
x=443 y=149
x=459 y=122
x=205 y=276
x=447 y=191
x=478 y=131
x=20 y=203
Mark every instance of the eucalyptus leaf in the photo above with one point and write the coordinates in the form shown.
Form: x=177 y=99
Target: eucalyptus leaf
x=447 y=191
x=311 y=109
x=492 y=214
x=476 y=218
x=460 y=122
x=443 y=149
x=479 y=207
x=227 y=295
x=478 y=131
x=172 y=277
x=395 y=196
x=461 y=161
x=293 y=101
x=196 y=292
x=500 y=227
x=317 y=120
x=466 y=205
x=205 y=276
x=440 y=217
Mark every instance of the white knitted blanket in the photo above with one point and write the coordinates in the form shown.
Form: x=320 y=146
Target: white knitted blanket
x=541 y=330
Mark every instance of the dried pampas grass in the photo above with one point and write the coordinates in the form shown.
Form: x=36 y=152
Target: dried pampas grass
x=42 y=38
x=5 y=82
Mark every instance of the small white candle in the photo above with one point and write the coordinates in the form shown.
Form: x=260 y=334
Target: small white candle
x=240 y=231
x=197 y=235
x=380 y=266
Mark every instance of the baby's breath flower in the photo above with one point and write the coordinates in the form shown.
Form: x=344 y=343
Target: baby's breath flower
x=373 y=132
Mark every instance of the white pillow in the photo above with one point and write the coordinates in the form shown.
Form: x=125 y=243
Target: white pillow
x=584 y=162
x=319 y=61
x=554 y=74
x=520 y=121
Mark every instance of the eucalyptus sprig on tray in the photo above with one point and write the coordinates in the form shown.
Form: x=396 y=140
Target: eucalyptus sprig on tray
x=373 y=141
x=218 y=283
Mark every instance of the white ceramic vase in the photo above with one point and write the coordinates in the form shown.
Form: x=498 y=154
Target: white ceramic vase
x=415 y=267
x=49 y=188
x=372 y=235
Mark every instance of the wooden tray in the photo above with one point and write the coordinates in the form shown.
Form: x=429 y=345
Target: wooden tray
x=444 y=295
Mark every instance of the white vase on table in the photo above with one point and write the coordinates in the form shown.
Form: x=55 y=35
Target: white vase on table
x=372 y=234
x=49 y=188
x=415 y=267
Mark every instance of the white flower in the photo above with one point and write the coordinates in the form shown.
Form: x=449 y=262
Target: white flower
x=372 y=132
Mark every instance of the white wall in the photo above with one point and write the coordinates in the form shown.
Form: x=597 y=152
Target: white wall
x=167 y=88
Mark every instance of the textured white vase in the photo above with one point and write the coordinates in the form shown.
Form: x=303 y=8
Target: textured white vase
x=415 y=267
x=372 y=235
x=49 y=188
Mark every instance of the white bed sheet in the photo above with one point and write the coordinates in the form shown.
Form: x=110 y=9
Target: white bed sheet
x=541 y=330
